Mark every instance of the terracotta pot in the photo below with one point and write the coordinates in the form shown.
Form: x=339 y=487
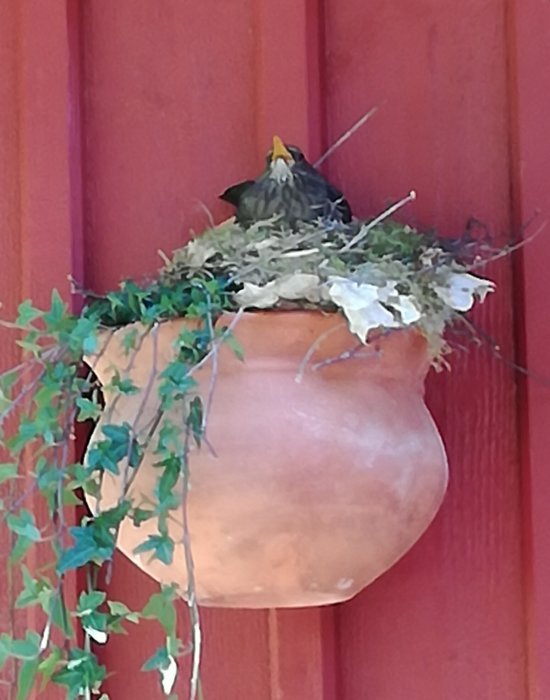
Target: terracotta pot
x=318 y=485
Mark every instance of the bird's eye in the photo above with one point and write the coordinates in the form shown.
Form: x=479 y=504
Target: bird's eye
x=296 y=153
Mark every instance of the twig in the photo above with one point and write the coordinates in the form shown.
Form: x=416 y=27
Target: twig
x=29 y=388
x=312 y=348
x=384 y=215
x=194 y=615
x=110 y=409
x=215 y=346
x=347 y=355
x=345 y=136
x=482 y=336
x=213 y=379
x=508 y=249
x=208 y=213
x=87 y=645
x=127 y=482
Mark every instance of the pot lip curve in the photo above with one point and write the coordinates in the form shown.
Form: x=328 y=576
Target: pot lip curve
x=321 y=335
x=291 y=318
x=294 y=315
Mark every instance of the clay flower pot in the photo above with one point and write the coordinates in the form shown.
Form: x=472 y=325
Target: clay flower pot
x=318 y=485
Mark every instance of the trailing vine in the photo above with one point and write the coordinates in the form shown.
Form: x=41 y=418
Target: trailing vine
x=39 y=402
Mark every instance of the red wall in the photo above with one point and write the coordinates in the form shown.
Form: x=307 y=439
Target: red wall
x=120 y=120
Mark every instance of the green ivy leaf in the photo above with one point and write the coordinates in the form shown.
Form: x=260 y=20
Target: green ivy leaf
x=69 y=497
x=234 y=345
x=4 y=649
x=32 y=590
x=125 y=386
x=141 y=515
x=121 y=611
x=160 y=659
x=175 y=381
x=195 y=416
x=49 y=666
x=24 y=524
x=108 y=520
x=129 y=340
x=20 y=548
x=26 y=649
x=82 y=670
x=168 y=479
x=60 y=615
x=87 y=409
x=44 y=397
x=89 y=601
x=8 y=470
x=161 y=546
x=7 y=381
x=57 y=312
x=26 y=677
x=92 y=544
x=160 y=607
x=26 y=314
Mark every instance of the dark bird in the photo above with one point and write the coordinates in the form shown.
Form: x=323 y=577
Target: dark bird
x=289 y=188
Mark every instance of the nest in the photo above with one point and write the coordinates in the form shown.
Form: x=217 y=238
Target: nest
x=387 y=275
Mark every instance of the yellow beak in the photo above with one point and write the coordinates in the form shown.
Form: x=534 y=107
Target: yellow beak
x=280 y=150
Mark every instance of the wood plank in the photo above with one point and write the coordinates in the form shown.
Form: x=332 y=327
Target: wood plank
x=529 y=28
x=40 y=197
x=172 y=115
x=288 y=62
x=9 y=278
x=168 y=115
x=447 y=621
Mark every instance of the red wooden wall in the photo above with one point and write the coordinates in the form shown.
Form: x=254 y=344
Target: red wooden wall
x=120 y=120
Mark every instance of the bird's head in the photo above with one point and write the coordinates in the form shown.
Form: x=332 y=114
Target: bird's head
x=281 y=160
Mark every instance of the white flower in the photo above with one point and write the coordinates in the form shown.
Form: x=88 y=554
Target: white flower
x=360 y=303
x=368 y=306
x=404 y=303
x=461 y=289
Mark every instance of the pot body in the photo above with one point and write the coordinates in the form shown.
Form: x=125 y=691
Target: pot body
x=322 y=471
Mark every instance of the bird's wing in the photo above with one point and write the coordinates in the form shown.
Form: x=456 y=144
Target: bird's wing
x=234 y=193
x=341 y=203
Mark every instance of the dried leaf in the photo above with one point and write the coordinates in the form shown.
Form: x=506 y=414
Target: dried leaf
x=260 y=297
x=299 y=286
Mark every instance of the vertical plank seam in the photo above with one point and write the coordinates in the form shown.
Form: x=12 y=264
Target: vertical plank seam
x=275 y=692
x=518 y=297
x=75 y=132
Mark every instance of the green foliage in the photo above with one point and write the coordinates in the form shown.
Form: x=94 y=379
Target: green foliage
x=80 y=670
x=183 y=298
x=40 y=402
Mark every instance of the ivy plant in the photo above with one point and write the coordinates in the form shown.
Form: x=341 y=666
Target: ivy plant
x=41 y=400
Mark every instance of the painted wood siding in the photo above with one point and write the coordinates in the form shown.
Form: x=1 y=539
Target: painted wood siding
x=121 y=122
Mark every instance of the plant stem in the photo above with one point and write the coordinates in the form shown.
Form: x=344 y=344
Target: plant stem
x=363 y=232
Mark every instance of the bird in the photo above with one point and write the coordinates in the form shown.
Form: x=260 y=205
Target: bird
x=291 y=189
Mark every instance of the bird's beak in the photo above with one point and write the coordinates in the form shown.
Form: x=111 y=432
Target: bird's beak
x=280 y=151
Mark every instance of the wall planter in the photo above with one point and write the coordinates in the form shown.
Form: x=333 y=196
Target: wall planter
x=261 y=437
x=323 y=475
